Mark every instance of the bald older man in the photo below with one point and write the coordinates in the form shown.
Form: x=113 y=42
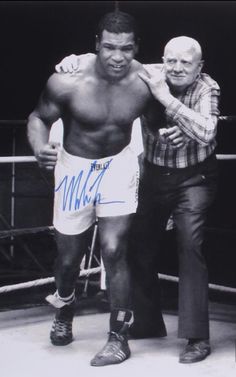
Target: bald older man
x=180 y=181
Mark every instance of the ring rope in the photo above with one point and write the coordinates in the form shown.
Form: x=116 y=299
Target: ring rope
x=11 y=159
x=17 y=159
x=215 y=287
x=23 y=231
x=93 y=271
x=43 y=281
x=226 y=156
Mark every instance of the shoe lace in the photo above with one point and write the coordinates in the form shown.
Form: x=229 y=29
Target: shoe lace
x=113 y=344
x=114 y=336
x=62 y=327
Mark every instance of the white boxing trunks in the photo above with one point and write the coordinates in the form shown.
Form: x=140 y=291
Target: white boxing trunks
x=89 y=188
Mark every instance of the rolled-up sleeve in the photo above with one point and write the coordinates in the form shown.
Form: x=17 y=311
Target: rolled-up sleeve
x=200 y=121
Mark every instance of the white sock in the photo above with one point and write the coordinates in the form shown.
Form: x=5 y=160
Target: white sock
x=58 y=302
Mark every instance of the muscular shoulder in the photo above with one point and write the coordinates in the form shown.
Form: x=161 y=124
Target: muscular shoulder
x=59 y=83
x=86 y=59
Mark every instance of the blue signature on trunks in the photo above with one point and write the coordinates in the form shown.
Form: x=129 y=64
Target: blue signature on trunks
x=77 y=194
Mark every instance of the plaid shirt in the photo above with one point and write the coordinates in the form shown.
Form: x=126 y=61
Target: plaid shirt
x=196 y=113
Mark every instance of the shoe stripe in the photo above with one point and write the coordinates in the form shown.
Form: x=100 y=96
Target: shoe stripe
x=121 y=355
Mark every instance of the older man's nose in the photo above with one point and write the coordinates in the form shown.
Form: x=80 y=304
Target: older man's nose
x=178 y=67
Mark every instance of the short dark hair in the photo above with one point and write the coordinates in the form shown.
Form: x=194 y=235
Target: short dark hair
x=117 y=22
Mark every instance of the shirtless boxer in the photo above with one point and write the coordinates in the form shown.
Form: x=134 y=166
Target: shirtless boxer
x=96 y=173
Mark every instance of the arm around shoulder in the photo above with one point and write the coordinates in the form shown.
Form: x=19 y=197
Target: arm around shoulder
x=72 y=63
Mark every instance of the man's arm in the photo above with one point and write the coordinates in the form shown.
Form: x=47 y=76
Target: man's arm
x=198 y=124
x=39 y=123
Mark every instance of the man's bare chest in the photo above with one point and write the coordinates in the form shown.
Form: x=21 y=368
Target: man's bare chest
x=107 y=105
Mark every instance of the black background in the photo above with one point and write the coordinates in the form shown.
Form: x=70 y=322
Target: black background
x=35 y=35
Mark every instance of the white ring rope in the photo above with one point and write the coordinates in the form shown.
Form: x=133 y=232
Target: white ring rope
x=215 y=287
x=92 y=271
x=16 y=159
x=11 y=159
x=38 y=282
x=226 y=156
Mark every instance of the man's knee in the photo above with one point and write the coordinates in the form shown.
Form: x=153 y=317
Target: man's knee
x=112 y=253
x=66 y=264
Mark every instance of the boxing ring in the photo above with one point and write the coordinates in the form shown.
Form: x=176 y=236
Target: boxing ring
x=87 y=269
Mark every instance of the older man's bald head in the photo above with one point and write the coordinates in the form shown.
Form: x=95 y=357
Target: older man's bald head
x=184 y=44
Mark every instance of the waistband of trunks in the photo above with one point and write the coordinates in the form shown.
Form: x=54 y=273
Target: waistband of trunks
x=66 y=157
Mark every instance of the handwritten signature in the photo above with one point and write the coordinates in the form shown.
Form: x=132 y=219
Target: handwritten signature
x=77 y=194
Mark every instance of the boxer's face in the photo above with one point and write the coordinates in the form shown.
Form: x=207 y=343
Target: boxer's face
x=116 y=52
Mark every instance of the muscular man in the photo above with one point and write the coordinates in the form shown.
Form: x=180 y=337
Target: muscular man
x=179 y=181
x=96 y=173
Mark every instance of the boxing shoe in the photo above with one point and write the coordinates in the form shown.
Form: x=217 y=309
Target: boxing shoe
x=116 y=350
x=61 y=331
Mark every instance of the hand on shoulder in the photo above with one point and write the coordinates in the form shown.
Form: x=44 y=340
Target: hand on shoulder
x=73 y=63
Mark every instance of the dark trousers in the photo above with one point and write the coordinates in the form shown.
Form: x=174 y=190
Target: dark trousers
x=186 y=194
